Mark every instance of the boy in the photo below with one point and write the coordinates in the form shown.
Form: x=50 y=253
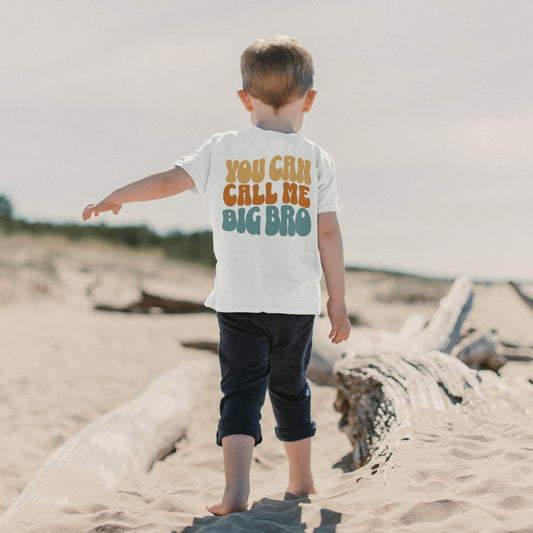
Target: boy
x=273 y=207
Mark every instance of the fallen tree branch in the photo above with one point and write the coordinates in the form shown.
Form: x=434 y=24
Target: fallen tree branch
x=386 y=380
x=528 y=300
x=202 y=345
x=380 y=393
x=127 y=439
x=150 y=303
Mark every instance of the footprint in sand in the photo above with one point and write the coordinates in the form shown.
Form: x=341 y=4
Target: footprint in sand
x=435 y=511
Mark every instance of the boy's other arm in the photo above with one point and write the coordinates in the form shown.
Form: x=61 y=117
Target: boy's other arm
x=153 y=187
x=332 y=259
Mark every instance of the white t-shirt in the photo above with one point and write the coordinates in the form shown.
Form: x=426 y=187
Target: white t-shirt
x=265 y=191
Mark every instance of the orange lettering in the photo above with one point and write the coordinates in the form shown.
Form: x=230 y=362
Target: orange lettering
x=257 y=199
x=244 y=195
x=290 y=193
x=228 y=198
x=304 y=200
x=271 y=198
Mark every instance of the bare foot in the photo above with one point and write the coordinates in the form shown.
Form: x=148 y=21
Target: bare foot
x=231 y=503
x=302 y=491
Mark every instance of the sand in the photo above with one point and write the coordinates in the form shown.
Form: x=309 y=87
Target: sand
x=65 y=364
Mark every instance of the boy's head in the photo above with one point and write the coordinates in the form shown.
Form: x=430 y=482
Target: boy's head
x=276 y=70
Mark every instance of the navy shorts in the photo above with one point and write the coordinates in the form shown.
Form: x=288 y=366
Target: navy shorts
x=260 y=351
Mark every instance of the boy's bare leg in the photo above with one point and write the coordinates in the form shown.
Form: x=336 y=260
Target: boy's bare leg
x=238 y=451
x=301 y=481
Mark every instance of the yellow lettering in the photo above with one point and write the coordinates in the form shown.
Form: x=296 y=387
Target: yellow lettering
x=289 y=171
x=273 y=171
x=244 y=173
x=304 y=171
x=258 y=170
x=232 y=168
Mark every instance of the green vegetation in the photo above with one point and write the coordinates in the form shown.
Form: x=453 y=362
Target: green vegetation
x=6 y=208
x=194 y=247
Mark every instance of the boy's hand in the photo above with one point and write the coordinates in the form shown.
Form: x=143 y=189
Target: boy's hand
x=340 y=325
x=96 y=209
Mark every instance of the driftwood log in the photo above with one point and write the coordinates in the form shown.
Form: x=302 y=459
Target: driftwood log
x=479 y=350
x=386 y=380
x=127 y=439
x=150 y=303
x=209 y=346
x=528 y=300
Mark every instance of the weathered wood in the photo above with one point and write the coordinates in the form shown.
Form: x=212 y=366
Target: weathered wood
x=388 y=379
x=517 y=354
x=444 y=330
x=442 y=333
x=379 y=394
x=202 y=345
x=479 y=350
x=127 y=439
x=413 y=325
x=509 y=344
x=150 y=303
x=528 y=300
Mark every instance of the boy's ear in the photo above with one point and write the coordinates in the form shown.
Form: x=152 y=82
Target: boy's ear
x=309 y=99
x=245 y=99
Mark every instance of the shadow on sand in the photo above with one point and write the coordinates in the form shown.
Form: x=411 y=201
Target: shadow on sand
x=266 y=515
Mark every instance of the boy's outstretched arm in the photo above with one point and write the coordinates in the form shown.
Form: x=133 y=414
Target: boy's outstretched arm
x=152 y=187
x=332 y=259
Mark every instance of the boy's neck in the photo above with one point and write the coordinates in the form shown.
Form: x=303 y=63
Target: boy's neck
x=287 y=119
x=275 y=123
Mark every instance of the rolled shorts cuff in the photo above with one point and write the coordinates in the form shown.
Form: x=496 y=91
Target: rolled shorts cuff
x=296 y=433
x=227 y=431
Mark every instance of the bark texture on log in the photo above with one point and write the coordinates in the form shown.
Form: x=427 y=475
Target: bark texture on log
x=387 y=380
x=379 y=393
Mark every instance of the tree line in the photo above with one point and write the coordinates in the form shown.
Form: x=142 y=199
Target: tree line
x=194 y=247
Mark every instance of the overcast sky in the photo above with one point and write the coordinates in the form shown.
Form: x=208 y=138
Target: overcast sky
x=426 y=107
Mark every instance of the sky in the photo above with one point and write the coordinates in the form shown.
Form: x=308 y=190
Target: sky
x=424 y=105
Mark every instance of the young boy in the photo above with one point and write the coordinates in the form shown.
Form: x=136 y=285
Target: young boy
x=273 y=207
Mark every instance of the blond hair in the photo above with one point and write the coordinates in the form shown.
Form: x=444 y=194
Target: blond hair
x=276 y=69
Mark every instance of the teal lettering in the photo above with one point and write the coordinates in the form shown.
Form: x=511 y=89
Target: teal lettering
x=287 y=226
x=303 y=222
x=253 y=223
x=241 y=221
x=229 y=220
x=272 y=220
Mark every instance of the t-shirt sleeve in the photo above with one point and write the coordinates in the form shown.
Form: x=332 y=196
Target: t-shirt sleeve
x=198 y=166
x=327 y=189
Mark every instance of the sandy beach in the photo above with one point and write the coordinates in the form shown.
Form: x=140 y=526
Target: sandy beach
x=64 y=365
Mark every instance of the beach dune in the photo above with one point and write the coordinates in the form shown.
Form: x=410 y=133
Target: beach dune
x=64 y=365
